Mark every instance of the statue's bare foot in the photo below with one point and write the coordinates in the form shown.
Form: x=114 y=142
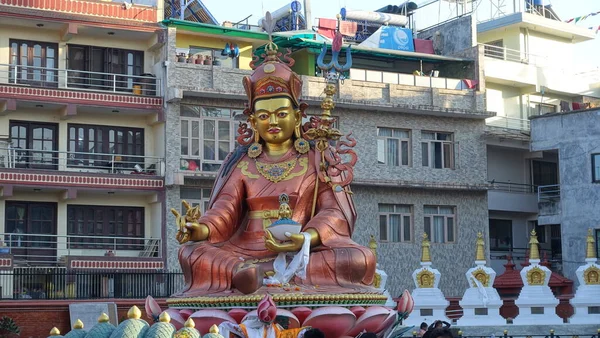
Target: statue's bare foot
x=248 y=280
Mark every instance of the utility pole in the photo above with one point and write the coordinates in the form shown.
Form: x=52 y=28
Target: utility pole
x=307 y=14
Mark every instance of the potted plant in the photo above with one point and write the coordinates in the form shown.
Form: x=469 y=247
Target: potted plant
x=190 y=58
x=199 y=59
x=181 y=57
x=208 y=60
x=216 y=62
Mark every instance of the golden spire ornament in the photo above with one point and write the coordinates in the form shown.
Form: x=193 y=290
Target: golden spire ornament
x=190 y=323
x=55 y=331
x=425 y=254
x=534 y=251
x=78 y=324
x=590 y=252
x=103 y=318
x=373 y=246
x=480 y=248
x=164 y=317
x=134 y=313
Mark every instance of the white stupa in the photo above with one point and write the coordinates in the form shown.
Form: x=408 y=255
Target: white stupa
x=380 y=276
x=536 y=302
x=587 y=295
x=481 y=302
x=430 y=302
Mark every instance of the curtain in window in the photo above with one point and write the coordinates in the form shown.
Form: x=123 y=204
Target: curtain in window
x=395 y=228
x=392 y=152
x=438 y=229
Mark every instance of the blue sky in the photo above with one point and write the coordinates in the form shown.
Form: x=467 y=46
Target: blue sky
x=585 y=56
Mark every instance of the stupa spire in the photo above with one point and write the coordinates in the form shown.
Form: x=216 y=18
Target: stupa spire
x=425 y=253
x=590 y=252
x=534 y=251
x=480 y=248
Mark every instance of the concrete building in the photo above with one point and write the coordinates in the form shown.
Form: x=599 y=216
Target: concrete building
x=422 y=162
x=81 y=144
x=526 y=77
x=575 y=137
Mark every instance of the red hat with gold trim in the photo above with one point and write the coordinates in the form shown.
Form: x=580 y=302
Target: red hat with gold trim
x=272 y=78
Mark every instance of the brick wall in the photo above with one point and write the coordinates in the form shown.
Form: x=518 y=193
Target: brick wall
x=37 y=318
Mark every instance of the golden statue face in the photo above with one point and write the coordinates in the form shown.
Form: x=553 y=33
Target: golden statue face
x=536 y=277
x=275 y=119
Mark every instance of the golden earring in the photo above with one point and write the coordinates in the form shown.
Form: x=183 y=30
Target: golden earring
x=302 y=146
x=255 y=148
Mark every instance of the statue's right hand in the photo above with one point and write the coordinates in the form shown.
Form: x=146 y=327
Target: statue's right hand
x=189 y=231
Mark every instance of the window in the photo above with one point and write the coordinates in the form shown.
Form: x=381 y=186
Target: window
x=195 y=196
x=439 y=223
x=597 y=231
x=35 y=144
x=34 y=63
x=494 y=49
x=500 y=234
x=215 y=54
x=544 y=173
x=82 y=60
x=31 y=229
x=393 y=146
x=88 y=222
x=395 y=223
x=93 y=146
x=541 y=108
x=596 y=168
x=437 y=150
x=207 y=136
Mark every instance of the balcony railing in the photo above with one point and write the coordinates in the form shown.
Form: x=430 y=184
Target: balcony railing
x=18 y=158
x=407 y=79
x=59 y=283
x=43 y=77
x=506 y=122
x=42 y=249
x=548 y=193
x=514 y=55
x=514 y=187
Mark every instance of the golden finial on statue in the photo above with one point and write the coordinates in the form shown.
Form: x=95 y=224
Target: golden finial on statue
x=134 y=313
x=190 y=323
x=425 y=254
x=55 y=331
x=590 y=249
x=78 y=324
x=373 y=246
x=480 y=248
x=534 y=251
x=103 y=318
x=164 y=317
x=214 y=329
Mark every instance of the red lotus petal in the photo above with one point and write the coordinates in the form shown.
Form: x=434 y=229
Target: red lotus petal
x=302 y=313
x=152 y=308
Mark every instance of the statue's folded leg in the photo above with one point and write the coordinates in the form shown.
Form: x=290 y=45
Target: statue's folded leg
x=345 y=267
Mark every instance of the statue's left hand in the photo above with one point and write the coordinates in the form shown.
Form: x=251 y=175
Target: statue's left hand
x=295 y=244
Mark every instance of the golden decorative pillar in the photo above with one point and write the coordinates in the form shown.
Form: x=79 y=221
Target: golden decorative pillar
x=480 y=248
x=425 y=253
x=590 y=252
x=534 y=250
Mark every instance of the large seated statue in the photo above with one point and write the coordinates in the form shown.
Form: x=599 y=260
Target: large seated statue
x=277 y=176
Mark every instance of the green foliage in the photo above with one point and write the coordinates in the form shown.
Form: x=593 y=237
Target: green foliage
x=8 y=328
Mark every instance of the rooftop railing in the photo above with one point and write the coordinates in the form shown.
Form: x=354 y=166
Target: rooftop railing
x=506 y=122
x=19 y=158
x=432 y=81
x=42 y=249
x=44 y=77
x=548 y=193
x=514 y=187
x=514 y=55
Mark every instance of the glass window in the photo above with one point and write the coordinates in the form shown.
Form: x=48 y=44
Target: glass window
x=501 y=237
x=440 y=223
x=393 y=146
x=596 y=168
x=395 y=223
x=195 y=196
x=207 y=136
x=34 y=63
x=437 y=150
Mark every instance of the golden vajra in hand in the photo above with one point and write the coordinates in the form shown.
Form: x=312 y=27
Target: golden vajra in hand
x=188 y=226
x=295 y=243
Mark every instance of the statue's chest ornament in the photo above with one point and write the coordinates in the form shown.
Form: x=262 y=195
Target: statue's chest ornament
x=276 y=172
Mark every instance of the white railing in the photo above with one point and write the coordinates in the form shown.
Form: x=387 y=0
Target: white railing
x=514 y=55
x=432 y=81
x=79 y=80
x=18 y=158
x=508 y=123
x=548 y=193
x=49 y=249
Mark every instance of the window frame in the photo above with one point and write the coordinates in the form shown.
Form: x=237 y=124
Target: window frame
x=595 y=163
x=16 y=58
x=401 y=141
x=429 y=143
x=597 y=239
x=493 y=237
x=131 y=153
x=431 y=233
x=199 y=159
x=135 y=243
x=403 y=224
x=26 y=157
x=202 y=197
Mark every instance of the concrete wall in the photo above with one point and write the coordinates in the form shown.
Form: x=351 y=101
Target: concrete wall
x=508 y=165
x=399 y=260
x=453 y=36
x=576 y=136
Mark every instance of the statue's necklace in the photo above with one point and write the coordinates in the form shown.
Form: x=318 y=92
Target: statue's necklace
x=276 y=172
